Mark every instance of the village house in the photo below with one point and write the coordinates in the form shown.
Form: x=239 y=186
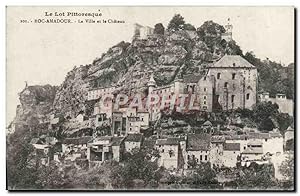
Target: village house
x=253 y=153
x=272 y=142
x=144 y=119
x=133 y=141
x=44 y=148
x=133 y=125
x=75 y=148
x=288 y=137
x=118 y=124
x=170 y=153
x=216 y=150
x=101 y=120
x=197 y=148
x=105 y=148
x=231 y=154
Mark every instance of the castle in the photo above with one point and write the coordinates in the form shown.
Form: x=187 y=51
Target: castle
x=228 y=84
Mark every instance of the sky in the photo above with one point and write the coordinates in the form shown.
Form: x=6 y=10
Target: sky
x=44 y=53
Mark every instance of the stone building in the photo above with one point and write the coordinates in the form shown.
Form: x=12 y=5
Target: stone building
x=105 y=148
x=118 y=124
x=235 y=82
x=133 y=141
x=170 y=153
x=197 y=148
x=231 y=154
x=142 y=32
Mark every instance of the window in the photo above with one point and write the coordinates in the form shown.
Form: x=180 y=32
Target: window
x=218 y=75
x=204 y=78
x=232 y=98
x=200 y=157
x=204 y=97
x=205 y=89
x=244 y=147
x=248 y=96
x=205 y=158
x=233 y=76
x=226 y=84
x=204 y=102
x=266 y=140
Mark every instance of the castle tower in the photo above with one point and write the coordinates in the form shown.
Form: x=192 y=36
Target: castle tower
x=136 y=31
x=151 y=84
x=227 y=36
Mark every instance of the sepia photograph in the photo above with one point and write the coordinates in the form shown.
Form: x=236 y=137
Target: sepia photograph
x=163 y=98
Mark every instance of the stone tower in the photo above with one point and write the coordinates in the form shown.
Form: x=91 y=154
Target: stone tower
x=227 y=36
x=151 y=84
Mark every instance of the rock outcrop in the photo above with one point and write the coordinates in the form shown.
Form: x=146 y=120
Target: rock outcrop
x=129 y=67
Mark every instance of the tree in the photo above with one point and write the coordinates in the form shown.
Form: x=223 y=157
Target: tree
x=159 y=29
x=189 y=27
x=287 y=170
x=176 y=23
x=51 y=177
x=139 y=166
x=203 y=174
x=21 y=173
x=256 y=176
x=264 y=114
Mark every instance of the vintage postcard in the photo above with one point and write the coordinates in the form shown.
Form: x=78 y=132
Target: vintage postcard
x=150 y=98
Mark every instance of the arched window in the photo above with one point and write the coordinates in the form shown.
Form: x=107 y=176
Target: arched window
x=247 y=96
x=232 y=98
x=233 y=76
x=226 y=84
x=218 y=75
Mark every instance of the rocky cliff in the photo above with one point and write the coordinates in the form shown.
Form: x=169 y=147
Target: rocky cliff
x=129 y=66
x=36 y=104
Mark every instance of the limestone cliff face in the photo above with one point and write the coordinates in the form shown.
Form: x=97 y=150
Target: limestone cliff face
x=70 y=96
x=129 y=66
x=36 y=104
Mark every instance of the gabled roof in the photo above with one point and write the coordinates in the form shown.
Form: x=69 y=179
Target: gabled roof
x=207 y=123
x=217 y=139
x=196 y=142
x=116 y=141
x=134 y=138
x=232 y=61
x=253 y=151
x=232 y=147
